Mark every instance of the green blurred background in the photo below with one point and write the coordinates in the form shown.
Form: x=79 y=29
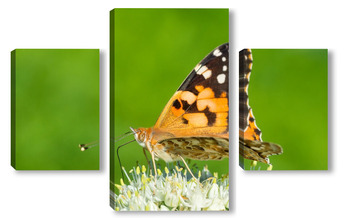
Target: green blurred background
x=288 y=95
x=155 y=50
x=55 y=107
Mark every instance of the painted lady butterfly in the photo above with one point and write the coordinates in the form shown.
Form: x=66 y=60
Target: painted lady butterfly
x=194 y=123
x=251 y=145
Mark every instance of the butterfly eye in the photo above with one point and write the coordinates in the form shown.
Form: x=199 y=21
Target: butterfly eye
x=142 y=137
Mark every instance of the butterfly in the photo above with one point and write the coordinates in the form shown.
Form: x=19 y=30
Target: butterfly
x=195 y=122
x=251 y=145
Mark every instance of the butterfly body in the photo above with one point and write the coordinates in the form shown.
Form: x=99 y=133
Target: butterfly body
x=169 y=147
x=194 y=123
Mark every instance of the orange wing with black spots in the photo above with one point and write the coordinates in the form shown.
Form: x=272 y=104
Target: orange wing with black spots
x=194 y=123
x=200 y=106
x=251 y=145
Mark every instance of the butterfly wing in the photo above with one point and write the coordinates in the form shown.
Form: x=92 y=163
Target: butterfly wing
x=251 y=145
x=196 y=148
x=200 y=106
x=257 y=150
x=247 y=126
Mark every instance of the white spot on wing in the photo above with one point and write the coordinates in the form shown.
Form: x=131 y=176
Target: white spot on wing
x=221 y=78
x=223 y=59
x=224 y=68
x=217 y=53
x=207 y=74
x=197 y=67
x=202 y=70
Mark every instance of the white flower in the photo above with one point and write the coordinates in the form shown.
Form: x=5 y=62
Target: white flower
x=151 y=206
x=213 y=191
x=171 y=191
x=217 y=204
x=172 y=199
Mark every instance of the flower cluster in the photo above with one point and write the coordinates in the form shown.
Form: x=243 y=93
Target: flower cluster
x=171 y=191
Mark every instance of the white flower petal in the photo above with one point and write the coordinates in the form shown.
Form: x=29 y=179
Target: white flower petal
x=163 y=208
x=172 y=199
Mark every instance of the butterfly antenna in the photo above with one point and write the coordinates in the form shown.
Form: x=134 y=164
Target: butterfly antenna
x=133 y=130
x=120 y=163
x=123 y=136
x=84 y=147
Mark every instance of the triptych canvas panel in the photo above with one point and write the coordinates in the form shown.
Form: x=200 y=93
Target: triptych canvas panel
x=288 y=95
x=54 y=107
x=163 y=80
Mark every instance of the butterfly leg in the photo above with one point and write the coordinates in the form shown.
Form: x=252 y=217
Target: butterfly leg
x=144 y=152
x=154 y=165
x=149 y=148
x=183 y=160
